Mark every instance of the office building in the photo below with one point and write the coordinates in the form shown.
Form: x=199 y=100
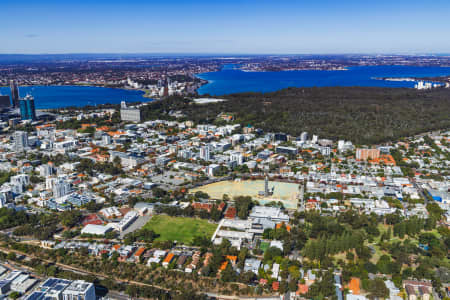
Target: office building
x=52 y=288
x=20 y=179
x=20 y=140
x=96 y=229
x=127 y=220
x=45 y=170
x=14 y=93
x=7 y=195
x=341 y=145
x=281 y=137
x=166 y=88
x=50 y=182
x=273 y=214
x=106 y=139
x=4 y=287
x=27 y=108
x=23 y=283
x=5 y=283
x=326 y=151
x=61 y=188
x=5 y=102
x=422 y=85
x=365 y=154
x=128 y=160
x=2 y=201
x=237 y=157
x=205 y=153
x=79 y=290
x=286 y=150
x=62 y=289
x=132 y=114
x=304 y=136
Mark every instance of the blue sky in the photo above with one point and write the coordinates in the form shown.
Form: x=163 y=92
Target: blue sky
x=228 y=26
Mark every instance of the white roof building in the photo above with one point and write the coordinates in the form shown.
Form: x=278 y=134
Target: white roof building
x=96 y=229
x=79 y=290
x=272 y=213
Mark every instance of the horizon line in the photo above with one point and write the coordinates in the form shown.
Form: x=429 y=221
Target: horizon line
x=230 y=53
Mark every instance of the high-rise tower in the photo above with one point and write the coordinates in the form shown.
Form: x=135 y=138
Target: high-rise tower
x=20 y=140
x=14 y=93
x=27 y=108
x=166 y=88
x=266 y=186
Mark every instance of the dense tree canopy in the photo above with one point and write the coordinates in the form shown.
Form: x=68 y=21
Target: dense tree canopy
x=360 y=114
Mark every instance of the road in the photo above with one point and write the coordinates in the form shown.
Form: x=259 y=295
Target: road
x=81 y=271
x=114 y=294
x=421 y=191
x=117 y=295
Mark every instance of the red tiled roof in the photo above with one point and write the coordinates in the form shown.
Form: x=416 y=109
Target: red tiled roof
x=230 y=213
x=202 y=206
x=221 y=206
x=139 y=252
x=168 y=258
x=302 y=289
x=92 y=219
x=354 y=285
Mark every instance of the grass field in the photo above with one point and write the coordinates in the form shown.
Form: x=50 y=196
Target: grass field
x=182 y=230
x=264 y=246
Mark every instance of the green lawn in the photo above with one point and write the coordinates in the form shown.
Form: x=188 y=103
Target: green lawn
x=264 y=245
x=182 y=230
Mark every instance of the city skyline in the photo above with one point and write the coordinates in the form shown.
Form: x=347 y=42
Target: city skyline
x=234 y=27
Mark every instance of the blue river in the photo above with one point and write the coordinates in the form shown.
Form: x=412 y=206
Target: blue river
x=64 y=96
x=231 y=80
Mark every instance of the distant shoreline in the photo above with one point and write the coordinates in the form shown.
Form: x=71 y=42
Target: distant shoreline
x=101 y=96
x=145 y=95
x=294 y=70
x=234 y=80
x=414 y=79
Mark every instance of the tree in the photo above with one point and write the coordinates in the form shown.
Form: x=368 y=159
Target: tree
x=70 y=218
x=11 y=256
x=243 y=205
x=14 y=295
x=348 y=120
x=216 y=215
x=384 y=265
x=247 y=277
x=283 y=287
x=201 y=195
x=377 y=289
x=242 y=256
x=435 y=210
x=228 y=274
x=323 y=288
x=293 y=285
x=271 y=253
x=294 y=271
x=201 y=241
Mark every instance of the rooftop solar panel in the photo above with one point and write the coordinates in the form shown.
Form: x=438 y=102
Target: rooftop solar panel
x=35 y=296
